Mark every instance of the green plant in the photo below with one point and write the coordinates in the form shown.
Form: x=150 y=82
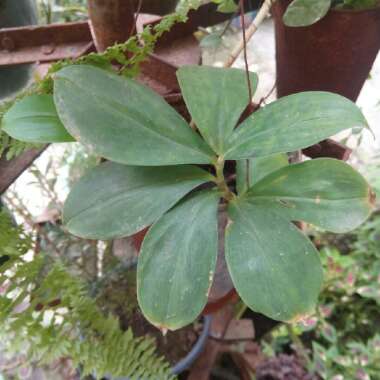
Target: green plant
x=306 y=12
x=154 y=178
x=62 y=11
x=47 y=312
x=343 y=336
x=128 y=55
x=347 y=343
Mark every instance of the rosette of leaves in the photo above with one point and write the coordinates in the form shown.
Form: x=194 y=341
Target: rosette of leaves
x=306 y=12
x=163 y=174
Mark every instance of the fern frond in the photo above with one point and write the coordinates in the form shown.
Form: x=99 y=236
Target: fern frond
x=75 y=327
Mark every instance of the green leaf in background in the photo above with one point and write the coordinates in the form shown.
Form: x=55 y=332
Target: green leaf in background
x=215 y=98
x=35 y=119
x=274 y=267
x=115 y=200
x=123 y=120
x=357 y=4
x=177 y=262
x=306 y=12
x=293 y=122
x=249 y=172
x=318 y=192
x=226 y=6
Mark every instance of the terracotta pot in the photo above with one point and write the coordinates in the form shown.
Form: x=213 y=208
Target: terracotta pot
x=336 y=54
x=158 y=7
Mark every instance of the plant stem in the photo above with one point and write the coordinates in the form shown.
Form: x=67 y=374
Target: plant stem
x=242 y=18
x=227 y=194
x=263 y=13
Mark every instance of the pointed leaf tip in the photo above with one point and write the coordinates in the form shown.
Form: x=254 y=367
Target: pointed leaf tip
x=114 y=200
x=177 y=262
x=276 y=271
x=119 y=118
x=317 y=192
x=216 y=98
x=293 y=122
x=34 y=119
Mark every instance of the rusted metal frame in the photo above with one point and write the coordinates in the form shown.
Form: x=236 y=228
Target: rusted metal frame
x=159 y=70
x=44 y=43
x=201 y=369
x=59 y=41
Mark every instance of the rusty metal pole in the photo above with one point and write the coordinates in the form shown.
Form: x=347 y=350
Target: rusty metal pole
x=111 y=21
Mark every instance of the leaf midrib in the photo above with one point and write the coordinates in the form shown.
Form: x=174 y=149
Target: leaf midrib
x=127 y=194
x=256 y=135
x=107 y=103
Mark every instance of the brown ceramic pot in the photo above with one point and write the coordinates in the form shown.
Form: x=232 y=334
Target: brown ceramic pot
x=335 y=54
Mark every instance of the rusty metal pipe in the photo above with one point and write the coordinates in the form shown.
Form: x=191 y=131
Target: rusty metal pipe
x=111 y=21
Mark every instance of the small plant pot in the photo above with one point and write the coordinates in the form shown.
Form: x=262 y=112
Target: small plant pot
x=335 y=54
x=158 y=7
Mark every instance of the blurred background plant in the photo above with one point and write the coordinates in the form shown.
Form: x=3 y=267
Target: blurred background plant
x=52 y=11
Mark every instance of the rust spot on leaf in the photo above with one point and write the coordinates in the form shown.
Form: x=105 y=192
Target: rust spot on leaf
x=164 y=331
x=371 y=197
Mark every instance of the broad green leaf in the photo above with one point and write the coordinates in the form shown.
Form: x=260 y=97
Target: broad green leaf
x=293 y=122
x=306 y=12
x=35 y=119
x=215 y=98
x=177 y=262
x=325 y=192
x=274 y=267
x=249 y=172
x=123 y=120
x=115 y=200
